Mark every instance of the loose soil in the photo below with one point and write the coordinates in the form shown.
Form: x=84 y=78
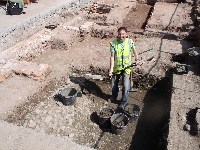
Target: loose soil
x=134 y=21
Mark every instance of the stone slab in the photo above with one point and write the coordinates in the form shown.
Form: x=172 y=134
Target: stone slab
x=14 y=137
x=170 y=17
x=184 y=98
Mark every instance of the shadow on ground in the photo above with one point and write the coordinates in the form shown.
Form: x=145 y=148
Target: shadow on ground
x=3 y=5
x=90 y=87
x=153 y=125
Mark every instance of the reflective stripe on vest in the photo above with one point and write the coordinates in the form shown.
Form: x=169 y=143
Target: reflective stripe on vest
x=122 y=57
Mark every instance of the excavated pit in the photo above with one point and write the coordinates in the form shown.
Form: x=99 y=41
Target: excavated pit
x=80 y=121
x=134 y=21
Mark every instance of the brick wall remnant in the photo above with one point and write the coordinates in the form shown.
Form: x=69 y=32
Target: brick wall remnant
x=100 y=8
x=32 y=70
x=103 y=31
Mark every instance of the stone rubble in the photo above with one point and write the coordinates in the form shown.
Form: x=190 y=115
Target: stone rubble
x=32 y=70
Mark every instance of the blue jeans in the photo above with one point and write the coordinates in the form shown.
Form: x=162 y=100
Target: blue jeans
x=125 y=89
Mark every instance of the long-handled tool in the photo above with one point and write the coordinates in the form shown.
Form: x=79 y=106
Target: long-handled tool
x=131 y=83
x=132 y=89
x=131 y=76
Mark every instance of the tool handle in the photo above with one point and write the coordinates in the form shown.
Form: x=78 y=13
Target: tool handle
x=133 y=64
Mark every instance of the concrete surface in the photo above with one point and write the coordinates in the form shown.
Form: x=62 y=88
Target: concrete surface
x=170 y=17
x=19 y=138
x=14 y=94
x=186 y=96
x=16 y=28
x=161 y=51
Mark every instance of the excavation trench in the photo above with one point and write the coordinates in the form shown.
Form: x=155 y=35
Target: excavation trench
x=80 y=121
x=83 y=40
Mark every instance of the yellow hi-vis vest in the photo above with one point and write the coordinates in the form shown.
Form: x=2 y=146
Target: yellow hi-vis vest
x=122 y=57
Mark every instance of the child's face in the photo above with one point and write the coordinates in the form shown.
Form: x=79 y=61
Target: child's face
x=122 y=35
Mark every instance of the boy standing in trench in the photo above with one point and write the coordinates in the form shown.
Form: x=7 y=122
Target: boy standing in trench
x=121 y=49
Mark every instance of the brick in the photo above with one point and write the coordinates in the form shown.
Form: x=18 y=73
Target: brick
x=4 y=74
x=42 y=71
x=32 y=70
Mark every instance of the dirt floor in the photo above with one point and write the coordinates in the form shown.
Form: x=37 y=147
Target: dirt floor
x=134 y=21
x=72 y=54
x=42 y=113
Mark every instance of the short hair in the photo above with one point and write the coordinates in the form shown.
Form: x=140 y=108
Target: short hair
x=122 y=28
